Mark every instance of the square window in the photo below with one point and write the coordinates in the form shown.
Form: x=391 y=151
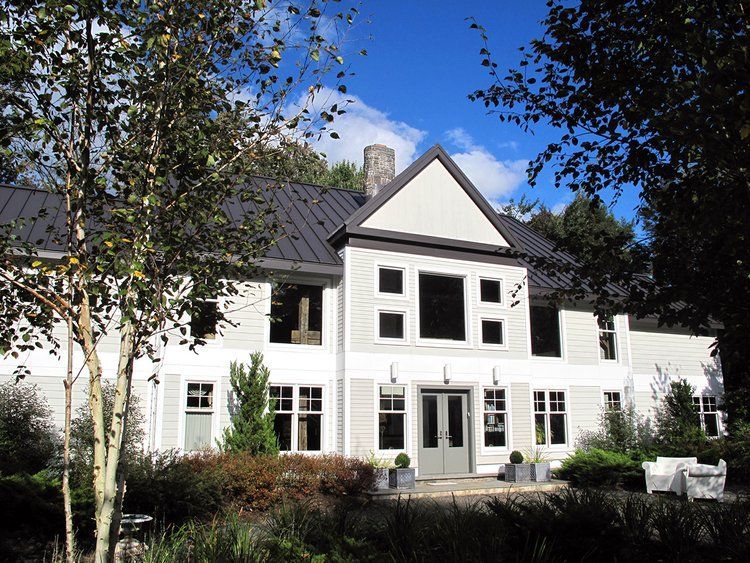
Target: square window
x=442 y=312
x=391 y=280
x=297 y=314
x=490 y=291
x=204 y=319
x=493 y=332
x=200 y=395
x=612 y=400
x=391 y=325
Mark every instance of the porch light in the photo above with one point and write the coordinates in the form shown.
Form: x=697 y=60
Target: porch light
x=394 y=372
x=447 y=373
x=496 y=375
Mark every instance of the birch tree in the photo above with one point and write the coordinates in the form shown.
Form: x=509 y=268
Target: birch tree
x=140 y=121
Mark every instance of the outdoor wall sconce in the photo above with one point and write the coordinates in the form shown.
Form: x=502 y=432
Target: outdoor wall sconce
x=447 y=373
x=394 y=372
x=496 y=375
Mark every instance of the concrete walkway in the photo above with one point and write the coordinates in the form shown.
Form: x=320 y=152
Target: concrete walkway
x=484 y=486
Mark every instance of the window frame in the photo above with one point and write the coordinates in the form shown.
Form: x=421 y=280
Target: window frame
x=405 y=413
x=404 y=281
x=325 y=322
x=439 y=342
x=504 y=332
x=606 y=402
x=489 y=450
x=184 y=410
x=295 y=412
x=547 y=412
x=702 y=414
x=490 y=304
x=615 y=334
x=219 y=337
x=387 y=340
x=561 y=335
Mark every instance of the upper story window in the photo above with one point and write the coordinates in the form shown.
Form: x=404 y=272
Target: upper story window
x=492 y=332
x=391 y=325
x=613 y=400
x=545 y=331
x=297 y=314
x=607 y=339
x=442 y=308
x=708 y=414
x=490 y=291
x=391 y=281
x=204 y=320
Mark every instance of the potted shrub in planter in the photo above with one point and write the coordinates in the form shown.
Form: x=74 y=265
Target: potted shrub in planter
x=380 y=468
x=517 y=471
x=540 y=466
x=402 y=476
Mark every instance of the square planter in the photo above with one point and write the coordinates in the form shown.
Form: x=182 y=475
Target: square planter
x=541 y=472
x=517 y=472
x=382 y=480
x=402 y=478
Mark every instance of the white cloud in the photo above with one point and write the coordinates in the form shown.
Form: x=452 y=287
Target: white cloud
x=364 y=125
x=495 y=178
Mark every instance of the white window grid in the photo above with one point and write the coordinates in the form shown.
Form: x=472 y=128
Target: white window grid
x=550 y=403
x=199 y=397
x=608 y=328
x=290 y=400
x=613 y=399
x=706 y=406
x=495 y=404
x=391 y=401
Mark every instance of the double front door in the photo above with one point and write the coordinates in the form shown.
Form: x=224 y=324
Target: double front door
x=444 y=443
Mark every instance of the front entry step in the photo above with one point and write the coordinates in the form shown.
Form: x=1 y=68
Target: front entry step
x=475 y=486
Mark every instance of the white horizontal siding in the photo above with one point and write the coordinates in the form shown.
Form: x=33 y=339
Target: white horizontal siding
x=585 y=408
x=362 y=416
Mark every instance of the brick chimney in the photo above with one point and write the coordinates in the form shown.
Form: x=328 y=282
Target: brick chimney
x=380 y=168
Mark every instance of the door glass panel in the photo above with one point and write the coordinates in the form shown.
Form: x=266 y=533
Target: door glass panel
x=455 y=422
x=429 y=421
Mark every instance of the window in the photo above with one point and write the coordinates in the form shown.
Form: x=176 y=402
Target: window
x=391 y=280
x=545 y=331
x=708 y=414
x=607 y=339
x=549 y=418
x=297 y=314
x=199 y=411
x=490 y=291
x=441 y=307
x=493 y=332
x=203 y=319
x=495 y=418
x=298 y=429
x=391 y=325
x=612 y=400
x=392 y=417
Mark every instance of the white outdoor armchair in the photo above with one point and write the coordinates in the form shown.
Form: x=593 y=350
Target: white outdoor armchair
x=706 y=481
x=667 y=473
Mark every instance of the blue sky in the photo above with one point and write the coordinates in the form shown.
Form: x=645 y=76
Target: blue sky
x=411 y=92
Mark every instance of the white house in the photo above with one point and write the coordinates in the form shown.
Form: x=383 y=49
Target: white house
x=406 y=324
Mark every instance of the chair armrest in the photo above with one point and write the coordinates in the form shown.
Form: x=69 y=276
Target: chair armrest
x=648 y=466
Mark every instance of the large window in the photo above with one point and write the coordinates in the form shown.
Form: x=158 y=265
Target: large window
x=392 y=417
x=708 y=414
x=199 y=414
x=442 y=314
x=550 y=418
x=391 y=281
x=607 y=339
x=495 y=418
x=545 y=331
x=297 y=314
x=298 y=422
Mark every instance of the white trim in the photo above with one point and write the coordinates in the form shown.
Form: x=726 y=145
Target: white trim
x=551 y=448
x=504 y=331
x=404 y=340
x=325 y=320
x=183 y=409
x=404 y=295
x=295 y=412
x=439 y=342
x=616 y=332
x=611 y=390
x=562 y=358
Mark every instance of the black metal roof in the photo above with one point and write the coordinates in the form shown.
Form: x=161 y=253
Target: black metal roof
x=308 y=213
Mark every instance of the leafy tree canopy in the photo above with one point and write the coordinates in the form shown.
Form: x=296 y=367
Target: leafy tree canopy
x=651 y=96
